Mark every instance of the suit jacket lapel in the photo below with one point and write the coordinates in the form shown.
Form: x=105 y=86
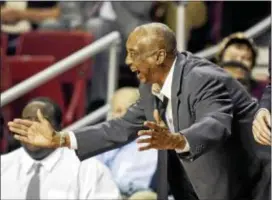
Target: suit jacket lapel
x=176 y=88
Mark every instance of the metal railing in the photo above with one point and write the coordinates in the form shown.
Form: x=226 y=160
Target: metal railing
x=91 y=118
x=180 y=25
x=111 y=40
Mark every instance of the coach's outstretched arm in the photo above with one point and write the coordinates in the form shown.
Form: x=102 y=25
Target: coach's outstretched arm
x=90 y=140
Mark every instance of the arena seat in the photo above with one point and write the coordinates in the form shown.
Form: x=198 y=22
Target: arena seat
x=4 y=43
x=61 y=44
x=6 y=111
x=23 y=67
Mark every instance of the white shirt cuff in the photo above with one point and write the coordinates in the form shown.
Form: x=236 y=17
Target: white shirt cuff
x=185 y=149
x=73 y=141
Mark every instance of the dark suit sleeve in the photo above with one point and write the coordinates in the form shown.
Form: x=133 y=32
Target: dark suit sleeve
x=265 y=101
x=112 y=134
x=211 y=106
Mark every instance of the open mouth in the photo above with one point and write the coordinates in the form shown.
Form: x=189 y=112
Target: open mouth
x=135 y=70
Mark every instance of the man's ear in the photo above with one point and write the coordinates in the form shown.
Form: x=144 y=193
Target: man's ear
x=161 y=56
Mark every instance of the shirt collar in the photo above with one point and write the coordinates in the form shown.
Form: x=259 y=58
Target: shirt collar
x=48 y=163
x=167 y=86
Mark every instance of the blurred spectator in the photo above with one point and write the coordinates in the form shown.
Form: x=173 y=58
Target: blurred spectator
x=101 y=18
x=195 y=19
x=158 y=11
x=237 y=47
x=22 y=16
x=36 y=173
x=238 y=71
x=132 y=170
x=237 y=55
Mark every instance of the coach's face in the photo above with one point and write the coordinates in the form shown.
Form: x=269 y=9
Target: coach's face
x=143 y=57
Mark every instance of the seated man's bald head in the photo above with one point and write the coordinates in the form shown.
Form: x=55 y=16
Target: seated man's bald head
x=156 y=34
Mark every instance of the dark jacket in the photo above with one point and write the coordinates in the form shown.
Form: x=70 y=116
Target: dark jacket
x=215 y=114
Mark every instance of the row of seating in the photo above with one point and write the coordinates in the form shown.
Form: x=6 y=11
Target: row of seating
x=36 y=51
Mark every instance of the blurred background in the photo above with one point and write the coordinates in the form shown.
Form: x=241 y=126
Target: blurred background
x=80 y=48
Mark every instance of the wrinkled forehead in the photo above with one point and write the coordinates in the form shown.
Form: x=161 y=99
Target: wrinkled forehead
x=30 y=111
x=140 y=40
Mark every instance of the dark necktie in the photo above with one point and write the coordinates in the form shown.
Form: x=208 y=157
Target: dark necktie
x=168 y=162
x=33 y=190
x=160 y=177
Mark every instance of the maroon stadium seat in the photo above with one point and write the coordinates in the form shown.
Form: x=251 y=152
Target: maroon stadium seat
x=60 y=45
x=23 y=67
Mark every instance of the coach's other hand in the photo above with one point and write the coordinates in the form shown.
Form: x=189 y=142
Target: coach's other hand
x=261 y=127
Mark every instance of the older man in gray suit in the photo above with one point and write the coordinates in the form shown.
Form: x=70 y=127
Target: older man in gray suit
x=200 y=121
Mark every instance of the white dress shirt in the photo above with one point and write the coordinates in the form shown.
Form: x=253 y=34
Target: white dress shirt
x=165 y=91
x=62 y=176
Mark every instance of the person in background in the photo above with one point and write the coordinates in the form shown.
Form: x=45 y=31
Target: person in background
x=237 y=55
x=40 y=173
x=132 y=170
x=240 y=72
x=18 y=17
x=237 y=47
x=196 y=16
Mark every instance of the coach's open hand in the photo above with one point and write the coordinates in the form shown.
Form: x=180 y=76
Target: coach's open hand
x=38 y=133
x=261 y=127
x=159 y=136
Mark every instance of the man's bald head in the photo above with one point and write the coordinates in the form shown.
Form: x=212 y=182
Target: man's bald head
x=151 y=51
x=122 y=99
x=155 y=35
x=49 y=108
x=52 y=112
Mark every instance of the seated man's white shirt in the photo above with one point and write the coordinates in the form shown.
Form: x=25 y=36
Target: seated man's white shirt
x=62 y=176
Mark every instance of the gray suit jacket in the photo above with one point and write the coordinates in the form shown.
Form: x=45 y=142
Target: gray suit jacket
x=214 y=112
